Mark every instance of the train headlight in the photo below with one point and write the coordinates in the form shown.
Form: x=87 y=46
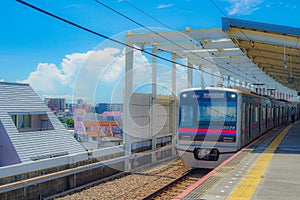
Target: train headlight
x=233 y=96
x=202 y=153
x=206 y=154
x=184 y=95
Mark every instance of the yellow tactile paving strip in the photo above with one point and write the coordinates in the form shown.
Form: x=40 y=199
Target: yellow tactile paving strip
x=247 y=186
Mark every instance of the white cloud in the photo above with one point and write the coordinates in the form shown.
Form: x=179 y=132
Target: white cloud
x=276 y=4
x=99 y=76
x=46 y=78
x=161 y=6
x=243 y=7
x=1 y=80
x=291 y=6
x=82 y=72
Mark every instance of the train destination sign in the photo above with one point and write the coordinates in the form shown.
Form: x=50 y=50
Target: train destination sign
x=213 y=95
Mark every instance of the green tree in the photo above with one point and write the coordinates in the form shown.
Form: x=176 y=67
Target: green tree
x=69 y=122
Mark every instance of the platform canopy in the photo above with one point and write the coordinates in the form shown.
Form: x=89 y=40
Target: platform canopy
x=239 y=50
x=274 y=49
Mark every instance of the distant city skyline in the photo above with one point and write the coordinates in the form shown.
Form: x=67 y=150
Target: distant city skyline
x=50 y=55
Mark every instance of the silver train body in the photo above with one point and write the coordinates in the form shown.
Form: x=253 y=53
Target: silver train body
x=216 y=122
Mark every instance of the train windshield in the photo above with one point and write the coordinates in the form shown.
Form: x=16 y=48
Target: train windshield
x=204 y=108
x=187 y=112
x=217 y=111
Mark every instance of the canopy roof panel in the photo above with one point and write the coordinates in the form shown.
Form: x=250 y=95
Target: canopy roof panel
x=248 y=51
x=274 y=49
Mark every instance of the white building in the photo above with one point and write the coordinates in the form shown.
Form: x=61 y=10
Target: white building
x=29 y=131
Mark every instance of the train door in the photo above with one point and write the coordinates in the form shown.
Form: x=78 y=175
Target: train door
x=287 y=114
x=267 y=118
x=264 y=119
x=282 y=114
x=249 y=122
x=285 y=109
x=298 y=111
x=277 y=113
x=259 y=119
x=244 y=124
x=255 y=124
x=274 y=116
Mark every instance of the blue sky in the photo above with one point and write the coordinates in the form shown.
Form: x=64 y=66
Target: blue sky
x=48 y=53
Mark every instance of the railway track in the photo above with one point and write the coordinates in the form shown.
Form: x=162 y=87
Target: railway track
x=133 y=185
x=177 y=186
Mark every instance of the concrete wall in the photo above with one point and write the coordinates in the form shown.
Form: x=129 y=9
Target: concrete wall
x=141 y=116
x=60 y=184
x=139 y=112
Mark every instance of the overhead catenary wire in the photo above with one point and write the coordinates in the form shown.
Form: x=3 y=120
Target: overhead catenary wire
x=218 y=7
x=145 y=13
x=134 y=21
x=183 y=47
x=109 y=38
x=163 y=24
x=224 y=14
x=99 y=34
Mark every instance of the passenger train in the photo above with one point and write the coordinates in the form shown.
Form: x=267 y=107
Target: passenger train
x=214 y=123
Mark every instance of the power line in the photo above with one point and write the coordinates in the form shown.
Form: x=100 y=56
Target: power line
x=134 y=21
x=101 y=35
x=145 y=13
x=224 y=14
x=140 y=10
x=216 y=5
x=108 y=38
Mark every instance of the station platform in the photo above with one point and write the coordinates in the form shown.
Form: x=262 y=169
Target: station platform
x=266 y=169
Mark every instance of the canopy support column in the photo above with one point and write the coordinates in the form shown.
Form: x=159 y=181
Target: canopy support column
x=153 y=104
x=190 y=75
x=173 y=113
x=127 y=95
x=202 y=85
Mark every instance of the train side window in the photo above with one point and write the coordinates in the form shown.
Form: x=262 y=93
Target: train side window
x=243 y=115
x=256 y=114
x=279 y=114
x=247 y=120
x=264 y=113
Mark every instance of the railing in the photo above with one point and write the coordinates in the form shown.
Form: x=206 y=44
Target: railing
x=70 y=172
x=13 y=170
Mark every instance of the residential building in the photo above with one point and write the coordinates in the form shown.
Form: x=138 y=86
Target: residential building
x=109 y=107
x=57 y=105
x=29 y=131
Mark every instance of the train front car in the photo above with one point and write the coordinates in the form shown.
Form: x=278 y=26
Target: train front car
x=207 y=132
